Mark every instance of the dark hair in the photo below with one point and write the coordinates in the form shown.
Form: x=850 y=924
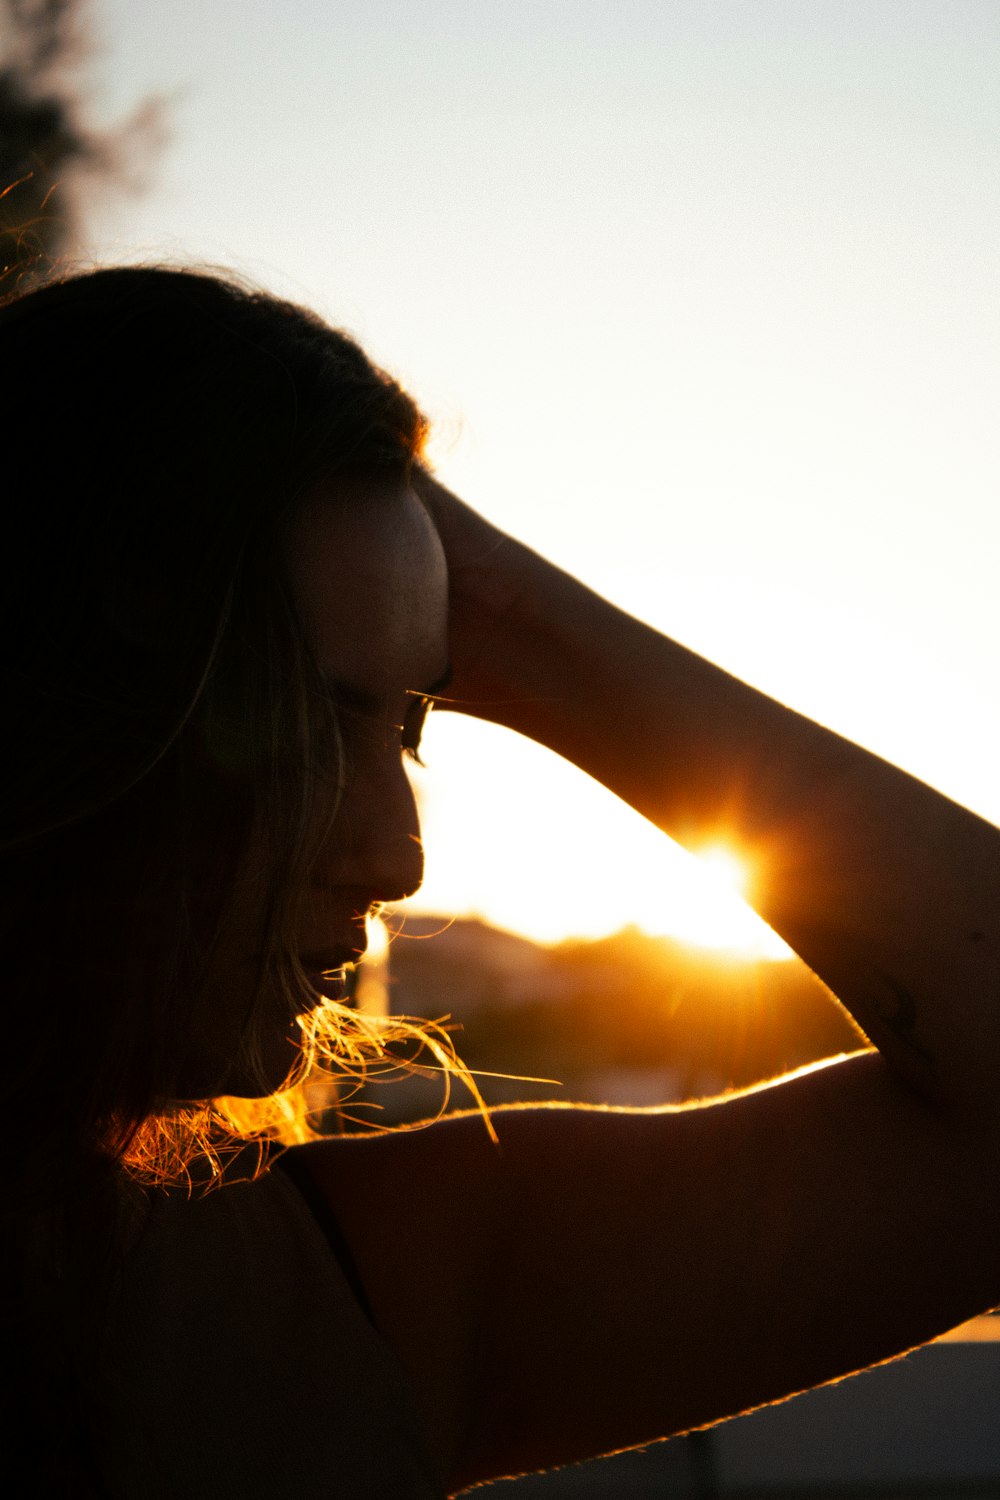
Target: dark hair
x=167 y=732
x=161 y=428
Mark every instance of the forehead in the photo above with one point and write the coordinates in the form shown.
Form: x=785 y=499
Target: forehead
x=369 y=572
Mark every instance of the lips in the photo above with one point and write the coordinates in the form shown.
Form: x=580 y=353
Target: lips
x=330 y=986
x=325 y=969
x=321 y=959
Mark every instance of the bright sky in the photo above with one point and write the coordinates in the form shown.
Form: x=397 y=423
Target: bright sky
x=704 y=299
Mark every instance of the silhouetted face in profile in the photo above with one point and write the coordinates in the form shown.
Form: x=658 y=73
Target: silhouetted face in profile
x=370 y=576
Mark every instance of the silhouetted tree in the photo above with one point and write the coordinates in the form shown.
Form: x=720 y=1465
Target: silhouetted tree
x=47 y=149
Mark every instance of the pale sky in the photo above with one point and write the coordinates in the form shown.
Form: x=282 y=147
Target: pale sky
x=703 y=297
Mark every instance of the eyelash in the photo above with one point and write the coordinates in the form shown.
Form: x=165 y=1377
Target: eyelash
x=410 y=734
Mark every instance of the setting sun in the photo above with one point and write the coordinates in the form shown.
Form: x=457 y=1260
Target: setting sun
x=724 y=869
x=560 y=856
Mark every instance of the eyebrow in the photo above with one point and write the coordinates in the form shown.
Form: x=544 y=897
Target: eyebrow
x=361 y=701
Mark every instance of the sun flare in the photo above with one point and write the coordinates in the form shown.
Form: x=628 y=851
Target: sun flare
x=573 y=861
x=724 y=869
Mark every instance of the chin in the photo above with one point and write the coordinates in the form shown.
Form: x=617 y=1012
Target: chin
x=216 y=1077
x=277 y=1063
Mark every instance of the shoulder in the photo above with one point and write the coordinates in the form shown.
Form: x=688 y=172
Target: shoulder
x=236 y=1359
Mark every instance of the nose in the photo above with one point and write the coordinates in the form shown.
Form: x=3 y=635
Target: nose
x=374 y=842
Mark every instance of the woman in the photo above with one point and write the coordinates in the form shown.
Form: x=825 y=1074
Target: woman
x=233 y=594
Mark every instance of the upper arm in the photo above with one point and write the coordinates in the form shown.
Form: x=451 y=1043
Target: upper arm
x=602 y=1278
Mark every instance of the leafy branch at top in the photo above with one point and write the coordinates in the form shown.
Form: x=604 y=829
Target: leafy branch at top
x=48 y=151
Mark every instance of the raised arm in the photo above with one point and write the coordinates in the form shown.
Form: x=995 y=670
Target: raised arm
x=607 y=1277
x=888 y=890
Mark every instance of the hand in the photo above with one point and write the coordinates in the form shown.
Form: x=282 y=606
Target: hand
x=488 y=574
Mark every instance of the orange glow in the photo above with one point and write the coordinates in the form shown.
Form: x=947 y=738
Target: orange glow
x=724 y=869
x=371 y=992
x=565 y=858
x=716 y=914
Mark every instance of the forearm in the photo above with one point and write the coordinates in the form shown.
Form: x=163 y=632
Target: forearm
x=888 y=891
